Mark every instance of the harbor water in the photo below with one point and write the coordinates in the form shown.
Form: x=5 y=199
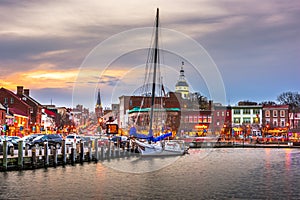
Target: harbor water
x=224 y=173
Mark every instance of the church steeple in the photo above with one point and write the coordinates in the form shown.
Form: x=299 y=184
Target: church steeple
x=98 y=107
x=98 y=104
x=182 y=86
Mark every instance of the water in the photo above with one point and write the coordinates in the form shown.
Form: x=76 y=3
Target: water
x=231 y=173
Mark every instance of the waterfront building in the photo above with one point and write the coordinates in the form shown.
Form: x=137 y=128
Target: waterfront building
x=222 y=119
x=2 y=118
x=132 y=112
x=18 y=116
x=246 y=118
x=275 y=119
x=294 y=125
x=35 y=110
x=48 y=121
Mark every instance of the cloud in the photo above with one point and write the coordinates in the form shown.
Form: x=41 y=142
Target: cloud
x=54 y=37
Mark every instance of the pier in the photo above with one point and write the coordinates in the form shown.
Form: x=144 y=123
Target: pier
x=44 y=157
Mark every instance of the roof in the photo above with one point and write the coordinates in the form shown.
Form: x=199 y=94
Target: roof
x=18 y=112
x=276 y=107
x=32 y=100
x=14 y=95
x=182 y=83
x=2 y=107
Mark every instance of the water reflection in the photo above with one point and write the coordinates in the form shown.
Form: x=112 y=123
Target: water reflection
x=214 y=174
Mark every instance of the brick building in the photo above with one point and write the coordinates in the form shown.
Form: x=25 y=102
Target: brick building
x=275 y=119
x=19 y=110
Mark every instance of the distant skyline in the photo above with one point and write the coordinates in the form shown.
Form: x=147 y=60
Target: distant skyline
x=50 y=47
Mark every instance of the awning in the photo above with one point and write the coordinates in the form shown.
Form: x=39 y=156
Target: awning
x=50 y=113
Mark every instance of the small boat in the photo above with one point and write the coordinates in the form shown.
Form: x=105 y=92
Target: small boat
x=147 y=144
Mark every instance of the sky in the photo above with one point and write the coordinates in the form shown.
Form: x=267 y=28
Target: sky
x=233 y=50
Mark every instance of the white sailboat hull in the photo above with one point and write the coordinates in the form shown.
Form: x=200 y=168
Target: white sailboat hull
x=161 y=148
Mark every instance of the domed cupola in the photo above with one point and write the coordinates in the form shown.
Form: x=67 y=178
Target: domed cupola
x=182 y=86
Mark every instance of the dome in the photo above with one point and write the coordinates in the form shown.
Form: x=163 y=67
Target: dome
x=182 y=83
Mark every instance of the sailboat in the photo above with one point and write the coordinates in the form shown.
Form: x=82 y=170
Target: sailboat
x=160 y=145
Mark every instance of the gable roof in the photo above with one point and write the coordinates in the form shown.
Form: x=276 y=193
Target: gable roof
x=15 y=96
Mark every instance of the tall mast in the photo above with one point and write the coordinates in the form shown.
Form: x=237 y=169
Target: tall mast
x=154 y=70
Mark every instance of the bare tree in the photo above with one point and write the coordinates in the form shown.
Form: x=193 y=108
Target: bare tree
x=292 y=99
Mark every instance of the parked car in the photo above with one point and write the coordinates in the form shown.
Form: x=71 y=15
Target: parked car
x=52 y=139
x=28 y=139
x=70 y=139
x=122 y=139
x=103 y=140
x=17 y=138
x=9 y=144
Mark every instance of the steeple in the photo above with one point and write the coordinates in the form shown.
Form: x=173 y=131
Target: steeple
x=98 y=104
x=182 y=86
x=98 y=107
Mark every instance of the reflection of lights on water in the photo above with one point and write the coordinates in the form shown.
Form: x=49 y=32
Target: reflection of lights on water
x=287 y=159
x=268 y=155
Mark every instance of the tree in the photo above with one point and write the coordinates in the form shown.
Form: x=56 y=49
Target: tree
x=201 y=101
x=268 y=103
x=292 y=99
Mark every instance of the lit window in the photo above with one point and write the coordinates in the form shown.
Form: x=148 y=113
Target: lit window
x=282 y=113
x=274 y=113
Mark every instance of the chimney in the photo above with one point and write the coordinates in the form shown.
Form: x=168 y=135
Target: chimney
x=210 y=104
x=19 y=91
x=26 y=92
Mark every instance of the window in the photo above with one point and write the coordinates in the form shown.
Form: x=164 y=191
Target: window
x=200 y=119
x=195 y=119
x=255 y=120
x=282 y=123
x=282 y=113
x=218 y=113
x=11 y=100
x=227 y=114
x=204 y=119
x=191 y=119
x=236 y=111
x=222 y=113
x=236 y=120
x=274 y=113
x=275 y=122
x=247 y=120
x=246 y=111
x=186 y=119
x=267 y=113
x=5 y=100
x=256 y=111
x=209 y=119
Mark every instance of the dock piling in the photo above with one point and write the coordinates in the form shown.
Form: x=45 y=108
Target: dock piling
x=20 y=154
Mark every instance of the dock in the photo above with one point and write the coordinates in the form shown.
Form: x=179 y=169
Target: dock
x=44 y=157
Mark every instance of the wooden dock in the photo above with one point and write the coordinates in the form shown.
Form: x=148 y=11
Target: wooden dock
x=44 y=157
